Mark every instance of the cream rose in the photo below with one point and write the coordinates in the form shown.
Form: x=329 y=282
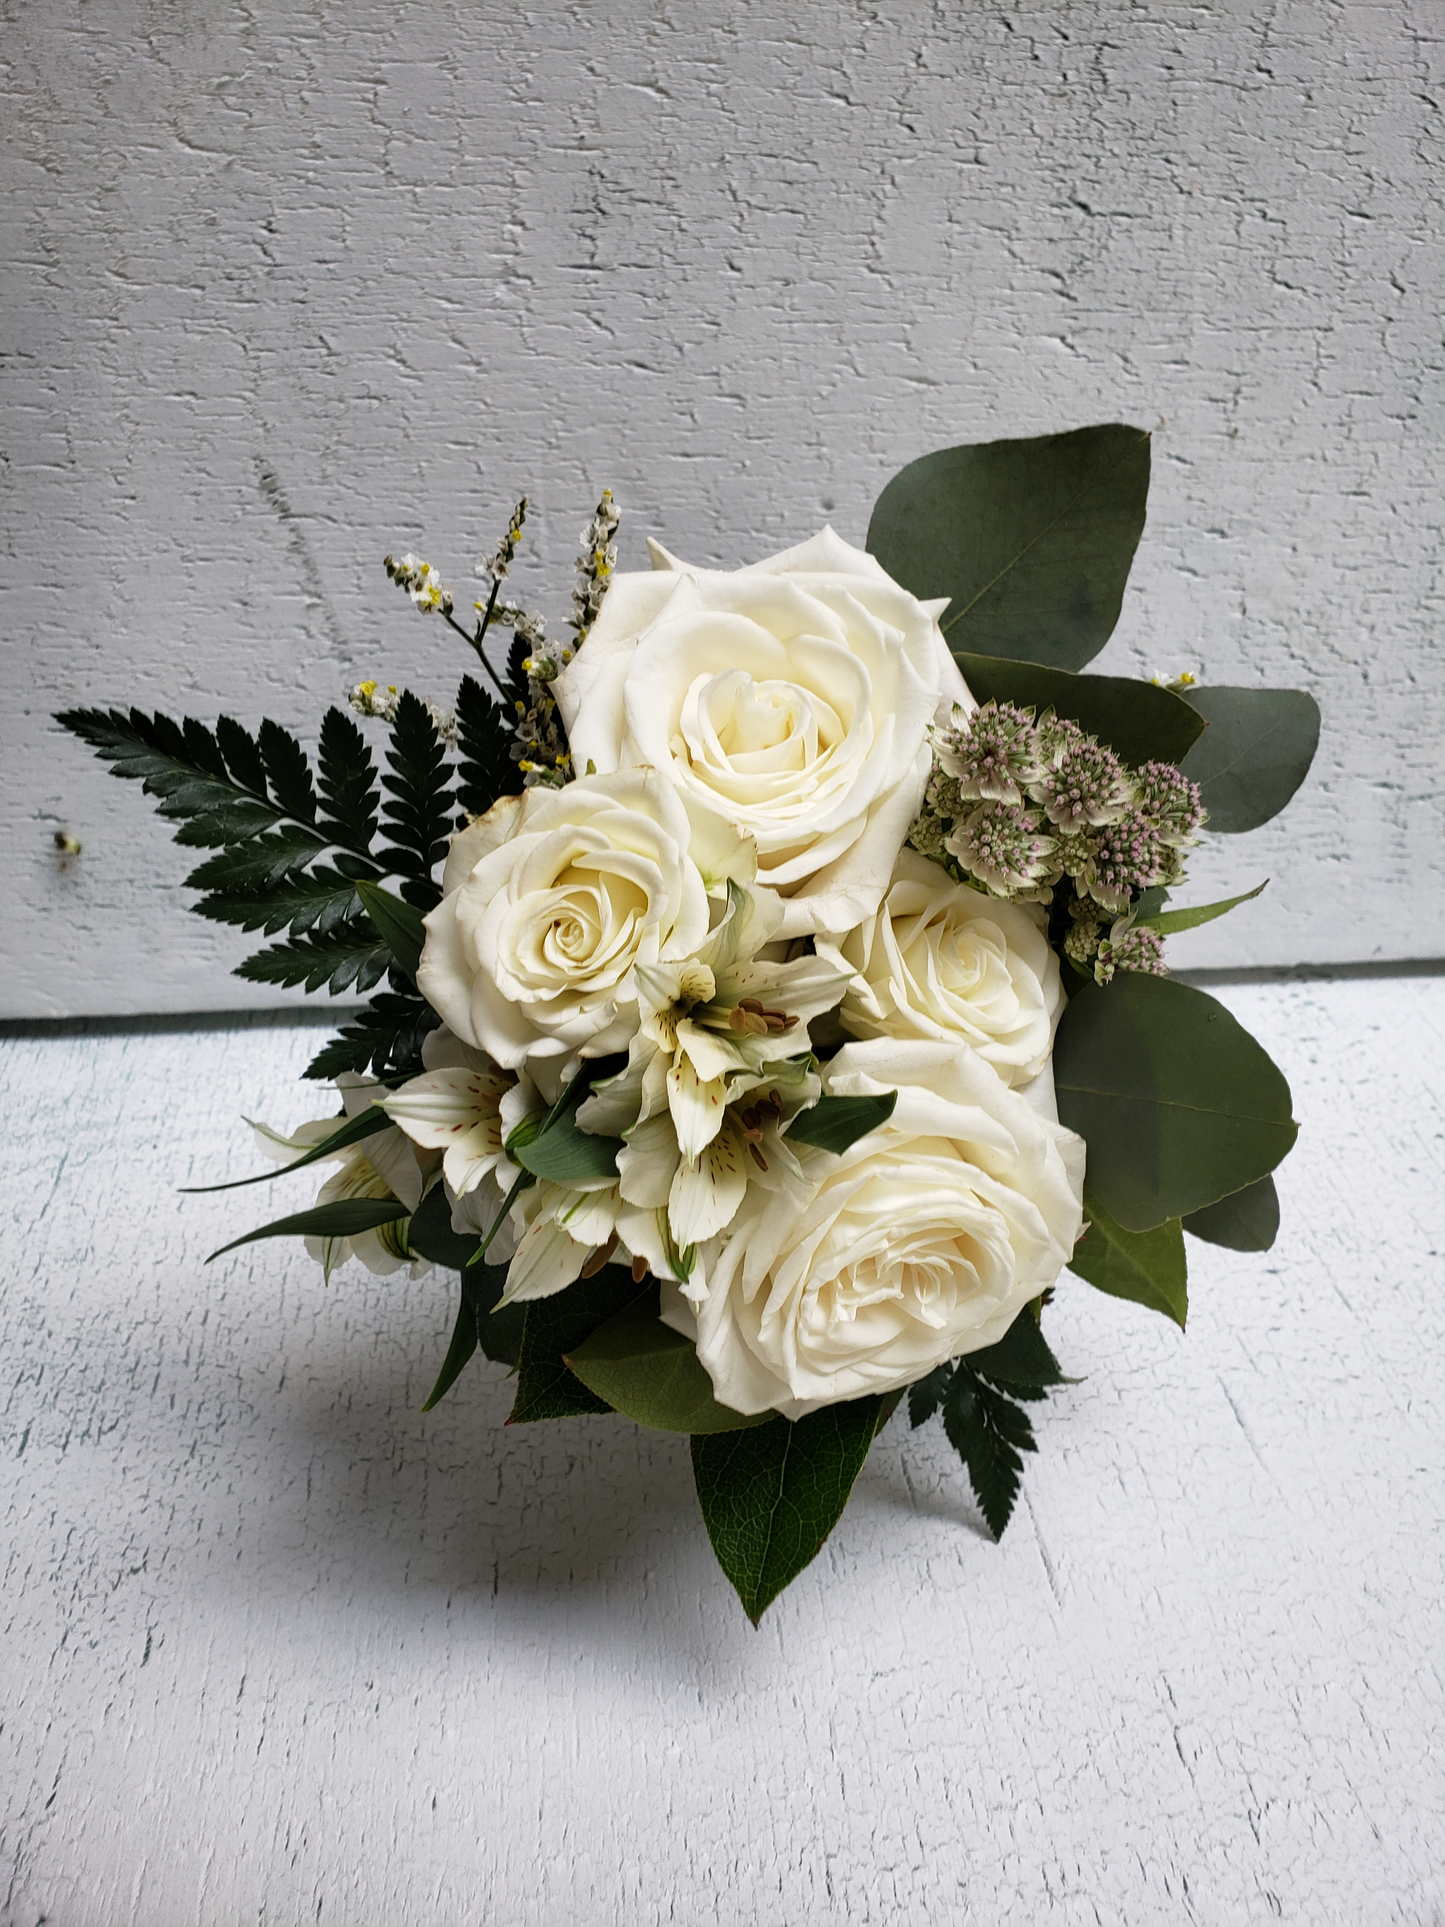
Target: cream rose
x=790 y=699
x=921 y=1243
x=552 y=900
x=939 y=960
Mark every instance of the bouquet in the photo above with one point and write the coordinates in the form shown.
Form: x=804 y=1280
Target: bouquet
x=767 y=995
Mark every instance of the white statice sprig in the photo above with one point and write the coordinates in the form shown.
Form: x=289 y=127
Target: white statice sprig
x=595 y=565
x=421 y=582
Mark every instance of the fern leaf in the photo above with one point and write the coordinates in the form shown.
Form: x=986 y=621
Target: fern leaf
x=260 y=863
x=485 y=741
x=351 y=955
x=288 y=771
x=348 y=784
x=182 y=766
x=385 y=1039
x=417 y=812
x=319 y=900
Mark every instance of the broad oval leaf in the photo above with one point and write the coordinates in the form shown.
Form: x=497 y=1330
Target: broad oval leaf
x=1255 y=753
x=565 y=1153
x=1031 y=540
x=1140 y=720
x=546 y=1385
x=1178 y=1104
x=1247 y=1220
x=343 y=1218
x=771 y=1495
x=1147 y=1267
x=651 y=1374
x=836 y=1123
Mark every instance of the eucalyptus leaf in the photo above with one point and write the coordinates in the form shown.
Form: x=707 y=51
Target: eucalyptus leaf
x=1178 y=1104
x=651 y=1374
x=343 y=1218
x=836 y=1123
x=1147 y=1267
x=1169 y=922
x=1031 y=540
x=1247 y=1220
x=771 y=1495
x=1139 y=720
x=1255 y=753
x=399 y=923
x=365 y=1124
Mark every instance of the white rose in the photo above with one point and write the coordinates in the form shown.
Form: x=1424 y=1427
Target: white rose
x=922 y=1242
x=791 y=699
x=552 y=900
x=939 y=960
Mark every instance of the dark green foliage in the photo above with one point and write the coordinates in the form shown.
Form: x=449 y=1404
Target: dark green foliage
x=484 y=740
x=1147 y=1267
x=182 y=765
x=1248 y=1220
x=288 y=772
x=260 y=864
x=349 y=792
x=385 y=1039
x=400 y=925
x=342 y=1218
x=546 y=1388
x=500 y=1332
x=771 y=1495
x=566 y=1153
x=315 y=900
x=350 y=956
x=1255 y=753
x=1139 y=720
x=417 y=811
x=985 y=1427
x=1178 y=1104
x=650 y=1373
x=836 y=1123
x=351 y=1130
x=1031 y=540
x=515 y=680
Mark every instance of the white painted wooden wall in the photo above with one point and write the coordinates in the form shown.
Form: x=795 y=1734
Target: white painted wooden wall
x=286 y=288
x=275 y=1648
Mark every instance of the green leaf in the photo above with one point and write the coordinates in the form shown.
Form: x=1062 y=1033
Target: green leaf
x=261 y=863
x=989 y=1433
x=348 y=783
x=926 y=1396
x=459 y=1351
x=1168 y=922
x=318 y=899
x=1247 y=1220
x=288 y=771
x=650 y=1373
x=1147 y=1267
x=399 y=923
x=182 y=765
x=836 y=1123
x=417 y=812
x=565 y=1153
x=1140 y=721
x=1030 y=540
x=365 y=1124
x=430 y=1233
x=1178 y=1104
x=1021 y=1358
x=771 y=1495
x=385 y=1038
x=351 y=953
x=343 y=1218
x=555 y=1327
x=484 y=739
x=1255 y=753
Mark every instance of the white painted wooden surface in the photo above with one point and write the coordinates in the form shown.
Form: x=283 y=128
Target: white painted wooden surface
x=276 y=1648
x=288 y=287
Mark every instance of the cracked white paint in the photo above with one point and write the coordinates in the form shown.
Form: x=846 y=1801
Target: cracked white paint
x=287 y=288
x=276 y=1647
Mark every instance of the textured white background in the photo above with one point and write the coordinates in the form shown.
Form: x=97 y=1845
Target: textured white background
x=276 y=1648
x=289 y=287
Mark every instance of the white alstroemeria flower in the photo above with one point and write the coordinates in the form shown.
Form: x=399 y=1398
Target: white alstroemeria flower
x=710 y=1023
x=384 y=1166
x=455 y=1107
